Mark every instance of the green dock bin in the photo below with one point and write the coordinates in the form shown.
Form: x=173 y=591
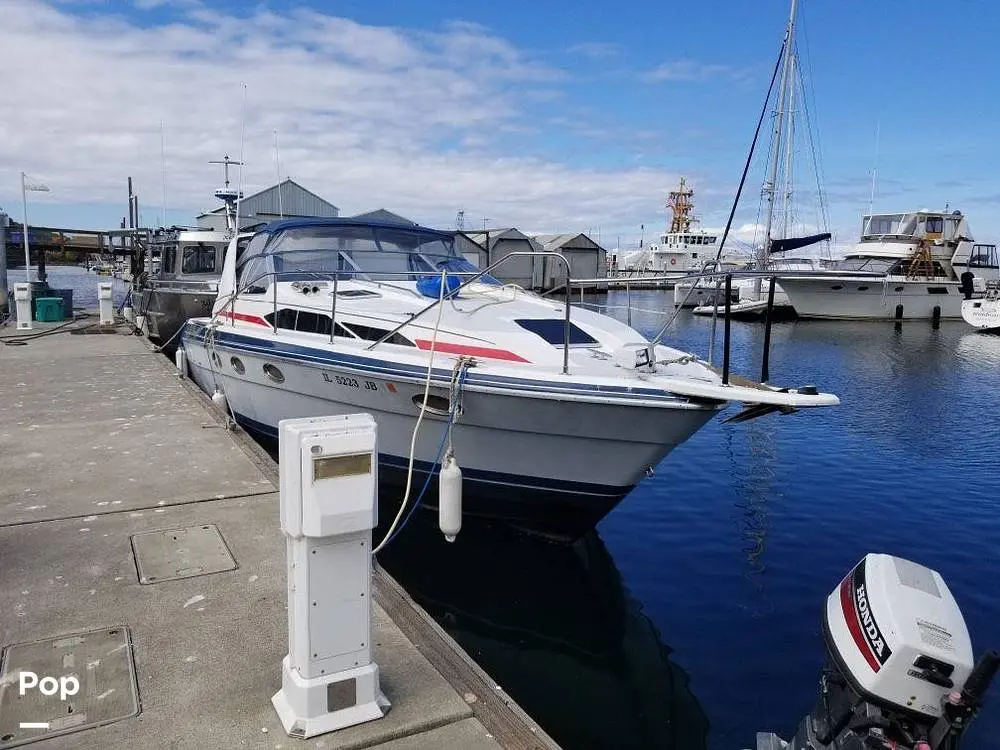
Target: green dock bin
x=48 y=309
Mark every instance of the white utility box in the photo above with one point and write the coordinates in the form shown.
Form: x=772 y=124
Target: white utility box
x=329 y=480
x=22 y=305
x=105 y=304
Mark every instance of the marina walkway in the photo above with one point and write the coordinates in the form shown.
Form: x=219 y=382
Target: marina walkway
x=103 y=451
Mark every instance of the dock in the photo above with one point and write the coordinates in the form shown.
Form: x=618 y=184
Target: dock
x=114 y=469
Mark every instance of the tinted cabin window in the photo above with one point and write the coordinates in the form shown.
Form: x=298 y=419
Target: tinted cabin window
x=168 y=260
x=935 y=224
x=553 y=331
x=198 y=259
x=369 y=333
x=305 y=321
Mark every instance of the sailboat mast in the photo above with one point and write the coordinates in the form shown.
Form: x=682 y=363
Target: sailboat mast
x=770 y=187
x=786 y=205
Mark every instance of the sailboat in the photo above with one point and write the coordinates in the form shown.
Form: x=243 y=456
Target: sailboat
x=754 y=292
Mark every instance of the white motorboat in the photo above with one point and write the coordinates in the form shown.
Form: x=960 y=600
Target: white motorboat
x=555 y=413
x=984 y=313
x=906 y=265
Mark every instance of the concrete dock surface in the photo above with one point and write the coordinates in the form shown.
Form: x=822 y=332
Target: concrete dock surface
x=106 y=455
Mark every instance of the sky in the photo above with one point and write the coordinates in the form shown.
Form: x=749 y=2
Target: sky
x=550 y=116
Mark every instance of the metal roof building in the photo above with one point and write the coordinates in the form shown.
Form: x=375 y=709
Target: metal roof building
x=526 y=271
x=287 y=199
x=587 y=259
x=387 y=216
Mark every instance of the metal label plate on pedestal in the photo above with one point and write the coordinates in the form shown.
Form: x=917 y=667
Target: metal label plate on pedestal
x=181 y=553
x=102 y=662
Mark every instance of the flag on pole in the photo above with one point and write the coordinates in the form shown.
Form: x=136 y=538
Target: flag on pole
x=34 y=185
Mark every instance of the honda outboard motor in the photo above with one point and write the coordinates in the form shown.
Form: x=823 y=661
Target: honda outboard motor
x=899 y=674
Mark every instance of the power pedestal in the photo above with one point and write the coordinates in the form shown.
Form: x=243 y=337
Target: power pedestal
x=22 y=304
x=105 y=304
x=329 y=473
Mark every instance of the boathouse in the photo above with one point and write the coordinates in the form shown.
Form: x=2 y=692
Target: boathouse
x=288 y=199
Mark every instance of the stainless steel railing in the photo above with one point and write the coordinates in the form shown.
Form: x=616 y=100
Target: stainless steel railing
x=471 y=277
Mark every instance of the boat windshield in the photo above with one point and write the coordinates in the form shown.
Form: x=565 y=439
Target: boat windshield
x=351 y=251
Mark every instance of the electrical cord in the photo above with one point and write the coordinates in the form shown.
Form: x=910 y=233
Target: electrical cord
x=420 y=419
x=453 y=413
x=61 y=328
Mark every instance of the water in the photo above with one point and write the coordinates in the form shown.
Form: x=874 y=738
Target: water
x=83 y=283
x=691 y=618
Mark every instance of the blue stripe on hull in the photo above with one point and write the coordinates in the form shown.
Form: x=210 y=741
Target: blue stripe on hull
x=275 y=347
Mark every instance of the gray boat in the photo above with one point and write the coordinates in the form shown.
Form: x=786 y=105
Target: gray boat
x=183 y=268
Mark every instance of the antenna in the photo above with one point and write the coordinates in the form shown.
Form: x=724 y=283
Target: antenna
x=239 y=187
x=163 y=175
x=460 y=221
x=226 y=194
x=871 y=202
x=277 y=169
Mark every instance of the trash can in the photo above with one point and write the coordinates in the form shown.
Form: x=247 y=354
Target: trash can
x=67 y=300
x=48 y=309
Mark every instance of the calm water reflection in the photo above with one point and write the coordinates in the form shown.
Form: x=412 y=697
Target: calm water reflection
x=723 y=559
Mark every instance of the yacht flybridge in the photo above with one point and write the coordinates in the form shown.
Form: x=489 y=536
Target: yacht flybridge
x=554 y=412
x=906 y=265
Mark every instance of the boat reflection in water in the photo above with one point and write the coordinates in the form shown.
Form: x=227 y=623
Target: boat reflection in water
x=554 y=625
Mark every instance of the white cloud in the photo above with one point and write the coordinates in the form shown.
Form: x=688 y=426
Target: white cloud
x=368 y=116
x=692 y=71
x=595 y=50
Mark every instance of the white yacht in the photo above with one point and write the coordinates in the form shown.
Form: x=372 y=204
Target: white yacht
x=906 y=265
x=555 y=413
x=984 y=313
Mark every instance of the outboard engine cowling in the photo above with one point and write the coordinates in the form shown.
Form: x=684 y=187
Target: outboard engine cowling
x=900 y=672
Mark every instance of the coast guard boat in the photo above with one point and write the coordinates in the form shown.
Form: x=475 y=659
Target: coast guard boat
x=554 y=416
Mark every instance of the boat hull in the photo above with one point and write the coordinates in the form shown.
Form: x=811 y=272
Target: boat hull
x=847 y=298
x=167 y=310
x=982 y=314
x=552 y=463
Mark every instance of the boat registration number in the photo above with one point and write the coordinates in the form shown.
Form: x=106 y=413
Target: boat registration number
x=368 y=385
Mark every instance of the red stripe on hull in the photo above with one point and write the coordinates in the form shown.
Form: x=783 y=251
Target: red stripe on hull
x=854 y=624
x=473 y=351
x=245 y=318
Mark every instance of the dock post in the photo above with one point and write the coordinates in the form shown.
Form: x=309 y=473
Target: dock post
x=4 y=289
x=725 y=335
x=327 y=511
x=765 y=369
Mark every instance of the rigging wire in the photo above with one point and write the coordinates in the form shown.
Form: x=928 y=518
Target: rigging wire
x=739 y=192
x=815 y=137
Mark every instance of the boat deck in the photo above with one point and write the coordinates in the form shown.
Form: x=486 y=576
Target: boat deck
x=101 y=443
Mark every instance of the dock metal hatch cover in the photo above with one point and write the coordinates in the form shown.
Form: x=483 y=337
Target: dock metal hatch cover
x=102 y=662
x=181 y=553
